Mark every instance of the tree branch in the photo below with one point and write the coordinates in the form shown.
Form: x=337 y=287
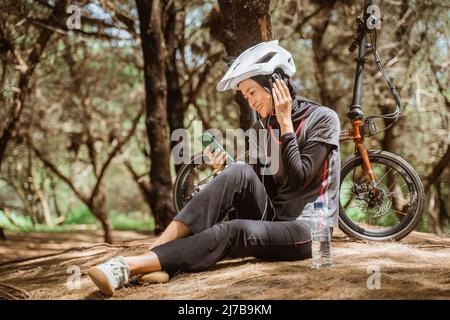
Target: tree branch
x=299 y=26
x=144 y=186
x=211 y=60
x=442 y=89
x=438 y=170
x=55 y=170
x=114 y=152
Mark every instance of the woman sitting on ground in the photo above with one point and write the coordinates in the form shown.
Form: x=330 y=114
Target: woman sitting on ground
x=272 y=211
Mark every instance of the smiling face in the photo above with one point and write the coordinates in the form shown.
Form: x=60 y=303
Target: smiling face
x=257 y=97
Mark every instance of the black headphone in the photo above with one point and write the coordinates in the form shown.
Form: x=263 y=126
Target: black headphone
x=276 y=76
x=273 y=77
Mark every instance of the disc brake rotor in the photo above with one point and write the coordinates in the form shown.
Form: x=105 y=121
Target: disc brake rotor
x=371 y=196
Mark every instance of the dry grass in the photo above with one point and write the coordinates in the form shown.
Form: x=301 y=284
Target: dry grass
x=416 y=268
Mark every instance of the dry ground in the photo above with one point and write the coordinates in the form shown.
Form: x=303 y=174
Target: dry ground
x=416 y=268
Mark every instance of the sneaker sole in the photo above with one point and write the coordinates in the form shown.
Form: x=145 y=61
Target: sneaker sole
x=101 y=281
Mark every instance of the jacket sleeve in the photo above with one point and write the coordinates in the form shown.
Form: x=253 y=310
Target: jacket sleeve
x=302 y=166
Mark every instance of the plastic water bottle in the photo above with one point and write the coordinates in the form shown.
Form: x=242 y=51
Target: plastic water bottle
x=321 y=244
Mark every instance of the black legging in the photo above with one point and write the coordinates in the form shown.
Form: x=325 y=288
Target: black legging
x=252 y=233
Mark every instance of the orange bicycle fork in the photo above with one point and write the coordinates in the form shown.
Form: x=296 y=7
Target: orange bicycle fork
x=359 y=143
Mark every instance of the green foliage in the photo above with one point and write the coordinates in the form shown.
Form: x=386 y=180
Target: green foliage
x=21 y=222
x=80 y=215
x=80 y=218
x=132 y=221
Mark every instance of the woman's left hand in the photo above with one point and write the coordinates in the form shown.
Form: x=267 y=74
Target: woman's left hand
x=283 y=106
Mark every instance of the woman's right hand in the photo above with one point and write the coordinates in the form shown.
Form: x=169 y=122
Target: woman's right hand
x=217 y=159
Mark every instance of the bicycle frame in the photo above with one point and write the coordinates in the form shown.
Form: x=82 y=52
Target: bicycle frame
x=356 y=114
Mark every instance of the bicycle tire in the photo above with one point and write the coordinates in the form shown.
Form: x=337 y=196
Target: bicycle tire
x=408 y=224
x=185 y=169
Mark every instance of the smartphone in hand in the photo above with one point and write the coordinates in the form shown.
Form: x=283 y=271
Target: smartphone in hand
x=209 y=140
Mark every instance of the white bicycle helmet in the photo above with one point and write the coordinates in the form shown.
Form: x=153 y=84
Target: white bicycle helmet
x=261 y=59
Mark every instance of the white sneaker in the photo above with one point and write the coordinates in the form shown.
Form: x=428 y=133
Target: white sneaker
x=110 y=275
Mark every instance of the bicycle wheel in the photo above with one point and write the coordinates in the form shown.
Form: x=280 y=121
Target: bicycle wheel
x=191 y=178
x=389 y=210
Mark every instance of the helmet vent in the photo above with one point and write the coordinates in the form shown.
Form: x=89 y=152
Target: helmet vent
x=266 y=58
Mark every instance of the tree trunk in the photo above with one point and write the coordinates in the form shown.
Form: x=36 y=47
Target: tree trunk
x=438 y=169
x=244 y=24
x=45 y=207
x=55 y=199
x=388 y=142
x=23 y=193
x=97 y=207
x=321 y=56
x=443 y=213
x=2 y=234
x=106 y=225
x=19 y=98
x=155 y=66
x=433 y=212
x=175 y=106
x=36 y=191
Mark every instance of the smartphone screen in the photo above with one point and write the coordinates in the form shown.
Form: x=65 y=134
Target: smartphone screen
x=209 y=140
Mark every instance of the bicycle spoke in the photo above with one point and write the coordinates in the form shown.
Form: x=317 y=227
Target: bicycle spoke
x=204 y=180
x=363 y=215
x=390 y=187
x=403 y=185
x=402 y=213
x=402 y=202
x=355 y=206
x=379 y=181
